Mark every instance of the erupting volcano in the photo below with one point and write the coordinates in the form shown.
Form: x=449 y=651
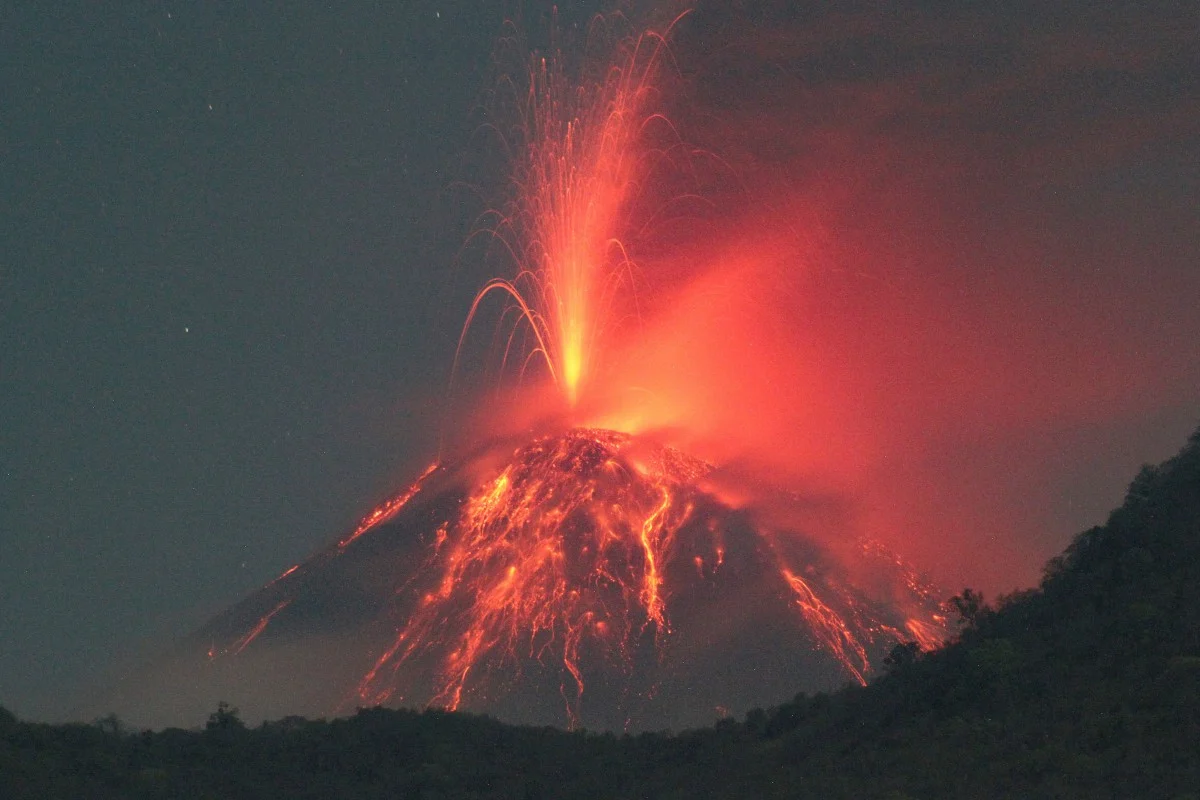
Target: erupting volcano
x=575 y=574
x=588 y=577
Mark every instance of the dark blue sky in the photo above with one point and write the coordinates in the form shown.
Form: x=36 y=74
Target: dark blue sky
x=225 y=292
x=229 y=294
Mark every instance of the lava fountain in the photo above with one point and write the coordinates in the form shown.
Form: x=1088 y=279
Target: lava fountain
x=582 y=155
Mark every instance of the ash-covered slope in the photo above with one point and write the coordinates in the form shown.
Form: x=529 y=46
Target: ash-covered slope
x=584 y=579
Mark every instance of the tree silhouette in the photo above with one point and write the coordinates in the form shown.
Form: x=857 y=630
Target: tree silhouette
x=970 y=607
x=903 y=654
x=225 y=718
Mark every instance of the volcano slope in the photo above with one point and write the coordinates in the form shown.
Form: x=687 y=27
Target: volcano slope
x=1088 y=686
x=584 y=578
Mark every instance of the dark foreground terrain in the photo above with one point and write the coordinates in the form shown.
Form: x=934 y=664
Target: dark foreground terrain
x=1088 y=686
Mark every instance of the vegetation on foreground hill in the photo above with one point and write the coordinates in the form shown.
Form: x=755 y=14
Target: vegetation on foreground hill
x=1088 y=686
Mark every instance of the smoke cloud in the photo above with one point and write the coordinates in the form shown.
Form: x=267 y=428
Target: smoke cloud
x=946 y=273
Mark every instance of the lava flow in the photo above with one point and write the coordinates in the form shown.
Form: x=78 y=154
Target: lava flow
x=566 y=547
x=596 y=568
x=572 y=551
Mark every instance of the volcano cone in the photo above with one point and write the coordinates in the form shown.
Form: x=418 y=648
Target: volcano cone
x=586 y=578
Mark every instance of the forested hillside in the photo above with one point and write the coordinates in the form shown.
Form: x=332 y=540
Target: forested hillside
x=1088 y=686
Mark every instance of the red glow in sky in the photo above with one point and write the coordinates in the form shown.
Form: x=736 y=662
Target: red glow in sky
x=881 y=302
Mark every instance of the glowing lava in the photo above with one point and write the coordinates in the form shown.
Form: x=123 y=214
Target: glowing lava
x=572 y=552
x=595 y=568
x=387 y=510
x=563 y=546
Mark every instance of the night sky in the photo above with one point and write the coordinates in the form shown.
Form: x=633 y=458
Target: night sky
x=231 y=281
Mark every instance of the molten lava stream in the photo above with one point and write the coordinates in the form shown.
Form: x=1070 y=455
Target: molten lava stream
x=830 y=628
x=563 y=547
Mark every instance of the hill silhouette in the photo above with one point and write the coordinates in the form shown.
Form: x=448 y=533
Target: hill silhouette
x=1088 y=686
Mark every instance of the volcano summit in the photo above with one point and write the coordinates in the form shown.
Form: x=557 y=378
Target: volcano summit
x=587 y=578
